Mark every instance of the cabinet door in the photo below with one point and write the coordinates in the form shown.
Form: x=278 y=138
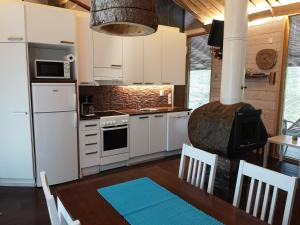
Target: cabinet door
x=133 y=60
x=158 y=133
x=139 y=136
x=177 y=130
x=15 y=129
x=173 y=57
x=107 y=51
x=153 y=58
x=12 y=22
x=50 y=25
x=84 y=49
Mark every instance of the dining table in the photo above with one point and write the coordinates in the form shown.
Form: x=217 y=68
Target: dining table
x=81 y=200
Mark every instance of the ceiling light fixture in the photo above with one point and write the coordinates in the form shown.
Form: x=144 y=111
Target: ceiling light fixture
x=124 y=17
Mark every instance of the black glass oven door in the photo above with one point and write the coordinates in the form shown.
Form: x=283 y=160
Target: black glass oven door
x=115 y=138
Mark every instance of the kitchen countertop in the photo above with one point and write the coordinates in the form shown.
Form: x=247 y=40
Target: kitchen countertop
x=134 y=112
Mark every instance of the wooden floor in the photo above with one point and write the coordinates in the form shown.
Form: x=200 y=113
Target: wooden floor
x=27 y=206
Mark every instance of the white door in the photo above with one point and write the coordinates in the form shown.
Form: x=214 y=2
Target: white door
x=158 y=133
x=15 y=130
x=153 y=58
x=177 y=130
x=53 y=97
x=50 y=25
x=173 y=57
x=84 y=49
x=139 y=135
x=56 y=146
x=133 y=68
x=107 y=51
x=12 y=22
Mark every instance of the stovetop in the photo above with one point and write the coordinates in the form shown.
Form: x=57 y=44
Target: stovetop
x=108 y=113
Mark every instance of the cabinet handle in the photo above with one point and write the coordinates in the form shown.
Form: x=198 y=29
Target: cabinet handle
x=15 y=38
x=166 y=82
x=89 y=144
x=143 y=117
x=67 y=42
x=91 y=125
x=116 y=66
x=90 y=135
x=91 y=153
x=149 y=83
x=137 y=83
x=158 y=116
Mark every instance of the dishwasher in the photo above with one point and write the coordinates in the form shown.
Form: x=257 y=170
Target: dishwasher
x=177 y=131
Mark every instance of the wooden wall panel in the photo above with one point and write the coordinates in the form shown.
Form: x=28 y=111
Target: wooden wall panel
x=260 y=93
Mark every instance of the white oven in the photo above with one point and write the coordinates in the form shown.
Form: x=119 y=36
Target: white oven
x=114 y=135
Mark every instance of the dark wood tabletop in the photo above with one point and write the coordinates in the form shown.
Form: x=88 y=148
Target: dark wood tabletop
x=83 y=202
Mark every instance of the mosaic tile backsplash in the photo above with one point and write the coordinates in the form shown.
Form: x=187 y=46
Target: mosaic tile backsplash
x=126 y=97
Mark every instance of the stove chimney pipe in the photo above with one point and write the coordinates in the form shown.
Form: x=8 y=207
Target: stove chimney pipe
x=234 y=51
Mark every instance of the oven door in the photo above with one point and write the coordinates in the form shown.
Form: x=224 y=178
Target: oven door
x=114 y=140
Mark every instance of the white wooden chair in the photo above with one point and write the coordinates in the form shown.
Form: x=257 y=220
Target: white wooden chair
x=199 y=160
x=54 y=217
x=267 y=178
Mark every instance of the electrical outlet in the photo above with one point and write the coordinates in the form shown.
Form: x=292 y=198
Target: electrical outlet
x=161 y=93
x=169 y=98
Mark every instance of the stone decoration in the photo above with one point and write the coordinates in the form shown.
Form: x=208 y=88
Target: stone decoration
x=126 y=97
x=124 y=17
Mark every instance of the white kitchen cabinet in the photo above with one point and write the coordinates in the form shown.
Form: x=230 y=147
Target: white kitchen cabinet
x=50 y=25
x=16 y=164
x=139 y=135
x=12 y=22
x=108 y=56
x=84 y=49
x=153 y=58
x=133 y=63
x=89 y=143
x=177 y=131
x=158 y=133
x=173 y=57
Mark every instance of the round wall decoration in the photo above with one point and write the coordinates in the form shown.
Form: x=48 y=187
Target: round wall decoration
x=266 y=59
x=124 y=17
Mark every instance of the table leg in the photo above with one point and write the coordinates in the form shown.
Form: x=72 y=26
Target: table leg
x=299 y=170
x=266 y=154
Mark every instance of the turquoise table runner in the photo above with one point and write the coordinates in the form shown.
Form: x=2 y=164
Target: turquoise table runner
x=144 y=202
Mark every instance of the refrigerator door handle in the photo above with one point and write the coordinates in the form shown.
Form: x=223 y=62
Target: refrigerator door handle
x=21 y=113
x=74 y=101
x=75 y=120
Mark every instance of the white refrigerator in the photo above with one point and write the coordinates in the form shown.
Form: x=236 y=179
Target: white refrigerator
x=55 y=131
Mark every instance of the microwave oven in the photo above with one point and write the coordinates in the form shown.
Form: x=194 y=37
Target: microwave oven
x=52 y=69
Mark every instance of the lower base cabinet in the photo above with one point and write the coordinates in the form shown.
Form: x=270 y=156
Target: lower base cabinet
x=89 y=143
x=148 y=134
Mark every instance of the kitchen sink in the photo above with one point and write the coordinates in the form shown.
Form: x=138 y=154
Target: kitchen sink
x=148 y=109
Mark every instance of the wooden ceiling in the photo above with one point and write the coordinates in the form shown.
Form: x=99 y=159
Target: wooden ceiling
x=207 y=10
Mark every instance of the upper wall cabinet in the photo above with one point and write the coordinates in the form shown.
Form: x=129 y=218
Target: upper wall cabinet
x=153 y=58
x=12 y=24
x=108 y=56
x=173 y=57
x=84 y=49
x=50 y=25
x=133 y=60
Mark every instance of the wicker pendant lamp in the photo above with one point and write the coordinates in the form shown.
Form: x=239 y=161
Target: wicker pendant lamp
x=124 y=17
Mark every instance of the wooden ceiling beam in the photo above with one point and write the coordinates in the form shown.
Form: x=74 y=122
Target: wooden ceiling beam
x=192 y=10
x=205 y=12
x=287 y=10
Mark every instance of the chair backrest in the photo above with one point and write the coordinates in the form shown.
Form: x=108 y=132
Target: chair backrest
x=54 y=218
x=198 y=162
x=271 y=180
